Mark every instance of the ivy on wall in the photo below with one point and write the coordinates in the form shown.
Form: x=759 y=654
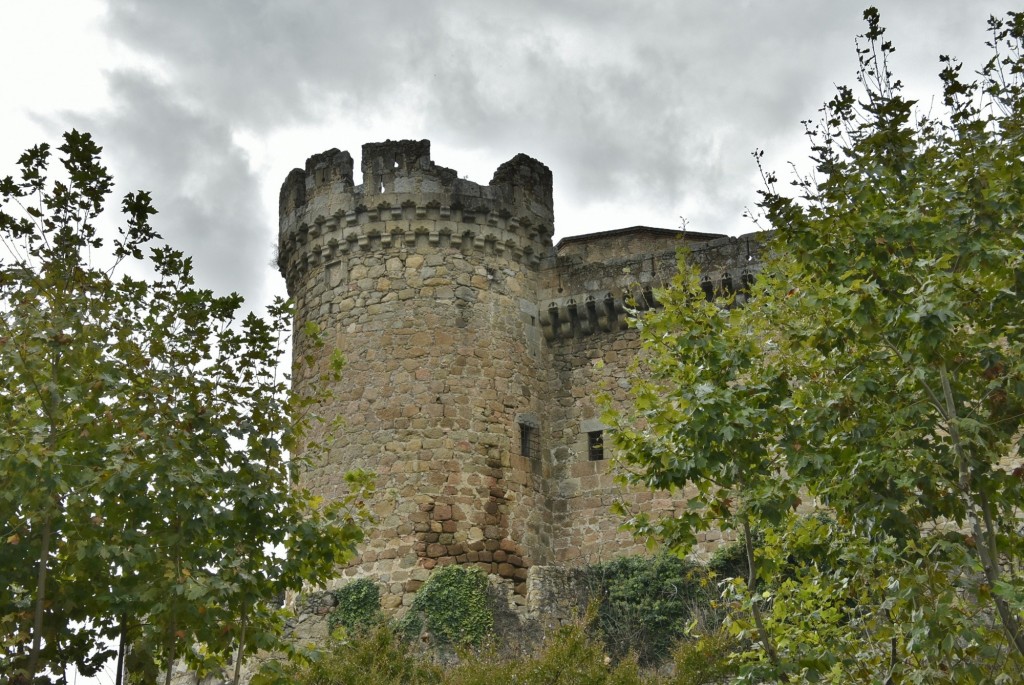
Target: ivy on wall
x=452 y=606
x=357 y=606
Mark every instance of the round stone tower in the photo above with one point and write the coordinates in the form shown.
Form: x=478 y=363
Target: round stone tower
x=426 y=283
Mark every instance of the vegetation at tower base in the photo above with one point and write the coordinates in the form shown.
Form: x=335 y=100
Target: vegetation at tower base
x=644 y=604
x=568 y=655
x=145 y=498
x=451 y=607
x=650 y=619
x=876 y=373
x=357 y=606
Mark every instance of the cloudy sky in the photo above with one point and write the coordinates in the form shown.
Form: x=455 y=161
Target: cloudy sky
x=645 y=111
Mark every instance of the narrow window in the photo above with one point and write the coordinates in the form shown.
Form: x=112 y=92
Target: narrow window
x=527 y=440
x=709 y=290
x=595 y=445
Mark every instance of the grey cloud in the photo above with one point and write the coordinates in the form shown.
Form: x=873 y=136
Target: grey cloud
x=645 y=126
x=653 y=103
x=206 y=196
x=266 y=63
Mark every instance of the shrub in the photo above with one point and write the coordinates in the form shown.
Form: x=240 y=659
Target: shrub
x=705 y=660
x=568 y=657
x=376 y=657
x=645 y=603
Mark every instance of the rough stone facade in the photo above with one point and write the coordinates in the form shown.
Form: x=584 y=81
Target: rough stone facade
x=476 y=351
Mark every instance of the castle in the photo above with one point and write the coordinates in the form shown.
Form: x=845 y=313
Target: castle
x=476 y=351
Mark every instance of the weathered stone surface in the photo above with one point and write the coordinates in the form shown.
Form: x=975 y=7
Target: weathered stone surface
x=464 y=330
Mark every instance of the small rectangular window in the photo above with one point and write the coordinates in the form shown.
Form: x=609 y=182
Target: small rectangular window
x=527 y=440
x=595 y=445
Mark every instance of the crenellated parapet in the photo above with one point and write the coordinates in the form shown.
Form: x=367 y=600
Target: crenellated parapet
x=596 y=294
x=592 y=313
x=406 y=201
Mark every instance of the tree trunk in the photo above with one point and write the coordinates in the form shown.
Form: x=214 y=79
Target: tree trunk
x=984 y=538
x=171 y=652
x=37 y=620
x=748 y=543
x=121 y=648
x=241 y=645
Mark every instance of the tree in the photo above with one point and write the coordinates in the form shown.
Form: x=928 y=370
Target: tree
x=876 y=373
x=145 y=493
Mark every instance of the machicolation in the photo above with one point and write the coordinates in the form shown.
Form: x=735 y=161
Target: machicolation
x=476 y=350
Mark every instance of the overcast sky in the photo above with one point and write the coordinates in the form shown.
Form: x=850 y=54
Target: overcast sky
x=645 y=111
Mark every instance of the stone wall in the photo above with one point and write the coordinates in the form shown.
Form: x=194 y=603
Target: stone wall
x=590 y=361
x=476 y=350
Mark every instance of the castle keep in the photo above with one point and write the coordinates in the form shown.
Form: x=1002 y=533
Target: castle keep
x=476 y=351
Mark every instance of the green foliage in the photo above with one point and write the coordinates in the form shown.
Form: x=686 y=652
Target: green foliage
x=379 y=657
x=644 y=604
x=145 y=495
x=452 y=606
x=706 y=659
x=877 y=370
x=358 y=606
x=844 y=611
x=730 y=560
x=567 y=657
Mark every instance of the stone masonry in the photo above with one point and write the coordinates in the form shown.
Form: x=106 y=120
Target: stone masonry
x=475 y=354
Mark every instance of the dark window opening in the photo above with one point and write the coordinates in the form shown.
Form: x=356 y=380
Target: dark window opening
x=727 y=285
x=528 y=446
x=595 y=445
x=709 y=290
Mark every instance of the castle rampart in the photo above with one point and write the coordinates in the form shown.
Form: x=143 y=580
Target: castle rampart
x=476 y=350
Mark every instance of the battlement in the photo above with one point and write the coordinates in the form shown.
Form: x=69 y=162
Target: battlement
x=405 y=198
x=604 y=277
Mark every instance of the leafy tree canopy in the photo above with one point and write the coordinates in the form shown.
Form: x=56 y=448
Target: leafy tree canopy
x=145 y=493
x=876 y=374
